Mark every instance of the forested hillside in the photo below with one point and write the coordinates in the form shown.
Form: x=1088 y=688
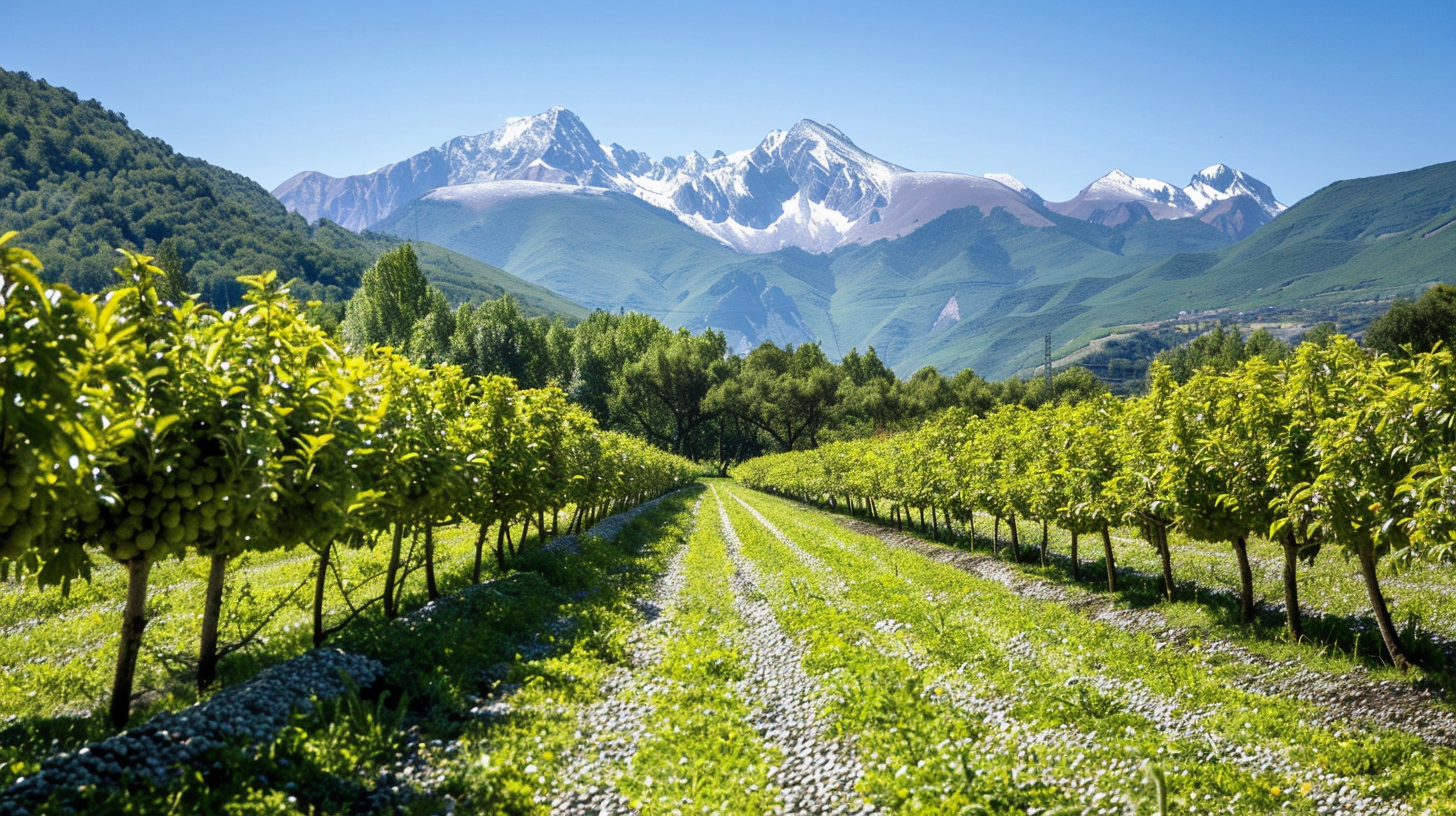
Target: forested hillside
x=76 y=181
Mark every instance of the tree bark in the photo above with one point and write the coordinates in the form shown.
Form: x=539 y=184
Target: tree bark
x=133 y=622
x=1246 y=580
x=1043 y=542
x=391 y=574
x=1076 y=564
x=1291 y=585
x=500 y=547
x=1382 y=612
x=320 y=582
x=211 y=615
x=934 y=524
x=1161 y=531
x=972 y=520
x=996 y=537
x=1015 y=539
x=479 y=552
x=1107 y=554
x=431 y=588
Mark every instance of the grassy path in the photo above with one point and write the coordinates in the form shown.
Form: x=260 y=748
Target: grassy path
x=1087 y=710
x=735 y=653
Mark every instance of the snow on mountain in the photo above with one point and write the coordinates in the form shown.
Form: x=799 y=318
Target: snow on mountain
x=1017 y=185
x=1221 y=182
x=1162 y=199
x=1229 y=199
x=809 y=186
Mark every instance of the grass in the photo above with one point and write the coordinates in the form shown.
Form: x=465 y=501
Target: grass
x=1332 y=594
x=700 y=752
x=58 y=652
x=954 y=694
x=1061 y=673
x=548 y=634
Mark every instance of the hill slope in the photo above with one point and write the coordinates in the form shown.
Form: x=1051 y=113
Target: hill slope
x=1352 y=241
x=966 y=289
x=76 y=181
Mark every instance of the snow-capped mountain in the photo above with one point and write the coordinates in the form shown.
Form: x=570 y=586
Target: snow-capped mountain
x=1212 y=195
x=809 y=186
x=551 y=147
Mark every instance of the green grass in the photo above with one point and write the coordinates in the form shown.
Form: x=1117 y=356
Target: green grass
x=1332 y=594
x=701 y=753
x=57 y=652
x=548 y=633
x=1061 y=673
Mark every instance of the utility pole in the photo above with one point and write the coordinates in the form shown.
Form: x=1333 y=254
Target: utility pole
x=1048 y=366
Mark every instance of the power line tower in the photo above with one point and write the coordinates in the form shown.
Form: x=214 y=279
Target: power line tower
x=1047 y=365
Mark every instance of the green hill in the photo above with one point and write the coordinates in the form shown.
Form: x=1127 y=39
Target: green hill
x=1353 y=240
x=1012 y=283
x=76 y=181
x=972 y=289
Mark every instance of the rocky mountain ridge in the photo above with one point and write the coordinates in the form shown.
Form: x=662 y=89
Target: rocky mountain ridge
x=809 y=187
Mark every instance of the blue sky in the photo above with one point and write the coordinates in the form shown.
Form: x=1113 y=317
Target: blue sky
x=1298 y=94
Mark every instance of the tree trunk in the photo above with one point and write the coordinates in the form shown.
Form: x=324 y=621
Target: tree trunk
x=1015 y=539
x=479 y=552
x=391 y=575
x=972 y=519
x=211 y=614
x=996 y=537
x=431 y=588
x=525 y=530
x=1246 y=580
x=1076 y=563
x=923 y=528
x=934 y=524
x=133 y=622
x=319 y=583
x=1043 y=542
x=1382 y=612
x=1291 y=585
x=500 y=547
x=1107 y=554
x=1161 y=530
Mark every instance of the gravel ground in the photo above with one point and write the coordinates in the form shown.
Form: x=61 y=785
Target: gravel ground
x=254 y=711
x=818 y=774
x=1342 y=697
x=1330 y=792
x=608 y=527
x=608 y=731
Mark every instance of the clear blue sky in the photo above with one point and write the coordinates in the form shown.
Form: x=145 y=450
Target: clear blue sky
x=1298 y=94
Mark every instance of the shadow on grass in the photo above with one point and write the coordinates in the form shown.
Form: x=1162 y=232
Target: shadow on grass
x=444 y=659
x=1353 y=637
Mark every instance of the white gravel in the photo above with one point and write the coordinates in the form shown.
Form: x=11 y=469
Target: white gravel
x=254 y=711
x=609 y=731
x=818 y=774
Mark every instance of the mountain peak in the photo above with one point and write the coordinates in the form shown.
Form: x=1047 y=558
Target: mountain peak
x=1017 y=185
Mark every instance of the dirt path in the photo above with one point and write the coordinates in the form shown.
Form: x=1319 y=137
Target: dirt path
x=818 y=774
x=610 y=729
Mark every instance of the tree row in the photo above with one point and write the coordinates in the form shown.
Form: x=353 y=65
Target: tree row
x=133 y=429
x=1332 y=445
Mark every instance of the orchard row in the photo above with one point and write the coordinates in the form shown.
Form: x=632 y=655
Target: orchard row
x=136 y=430
x=1331 y=448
